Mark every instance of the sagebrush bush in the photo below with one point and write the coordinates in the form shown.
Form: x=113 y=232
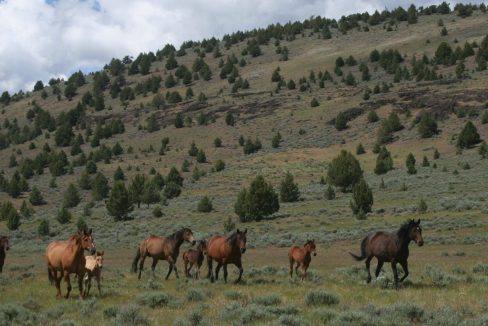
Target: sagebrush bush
x=268 y=300
x=131 y=315
x=195 y=295
x=321 y=297
x=154 y=300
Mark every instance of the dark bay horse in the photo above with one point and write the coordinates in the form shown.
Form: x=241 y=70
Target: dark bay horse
x=67 y=257
x=4 y=246
x=301 y=256
x=194 y=257
x=390 y=247
x=162 y=248
x=226 y=250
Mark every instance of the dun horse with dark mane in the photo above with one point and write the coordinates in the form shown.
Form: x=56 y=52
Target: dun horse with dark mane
x=226 y=250
x=302 y=257
x=67 y=257
x=4 y=246
x=390 y=247
x=162 y=248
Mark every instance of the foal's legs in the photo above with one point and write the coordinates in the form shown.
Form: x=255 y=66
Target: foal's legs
x=405 y=270
x=304 y=273
x=296 y=269
x=98 y=284
x=368 y=263
x=379 y=267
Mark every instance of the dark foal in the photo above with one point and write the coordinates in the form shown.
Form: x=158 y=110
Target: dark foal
x=4 y=246
x=195 y=257
x=390 y=247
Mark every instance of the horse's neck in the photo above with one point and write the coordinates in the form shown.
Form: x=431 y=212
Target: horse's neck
x=76 y=249
x=403 y=242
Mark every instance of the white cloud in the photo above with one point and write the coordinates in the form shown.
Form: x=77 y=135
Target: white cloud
x=41 y=39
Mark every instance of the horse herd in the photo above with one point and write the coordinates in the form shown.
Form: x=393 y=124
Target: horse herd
x=64 y=258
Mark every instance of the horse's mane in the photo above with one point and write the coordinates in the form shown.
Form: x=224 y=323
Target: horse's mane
x=74 y=238
x=232 y=238
x=405 y=228
x=178 y=233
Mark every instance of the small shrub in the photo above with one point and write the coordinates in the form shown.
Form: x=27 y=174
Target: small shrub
x=268 y=300
x=131 y=315
x=154 y=300
x=422 y=207
x=321 y=297
x=195 y=295
x=330 y=193
x=205 y=205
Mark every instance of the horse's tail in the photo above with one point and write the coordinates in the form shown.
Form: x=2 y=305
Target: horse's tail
x=363 y=251
x=136 y=260
x=50 y=276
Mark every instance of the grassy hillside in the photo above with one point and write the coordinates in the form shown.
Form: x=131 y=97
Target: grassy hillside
x=448 y=278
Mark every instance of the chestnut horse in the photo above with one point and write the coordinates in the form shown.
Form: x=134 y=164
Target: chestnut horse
x=195 y=257
x=67 y=257
x=226 y=250
x=162 y=248
x=302 y=257
x=4 y=246
x=390 y=247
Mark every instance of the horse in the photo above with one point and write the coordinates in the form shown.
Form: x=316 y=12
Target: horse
x=67 y=257
x=302 y=257
x=93 y=269
x=162 y=248
x=4 y=246
x=226 y=250
x=390 y=247
x=195 y=257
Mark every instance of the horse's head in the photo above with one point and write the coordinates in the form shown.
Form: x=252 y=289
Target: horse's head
x=202 y=246
x=87 y=242
x=4 y=242
x=188 y=236
x=99 y=258
x=310 y=245
x=240 y=239
x=416 y=232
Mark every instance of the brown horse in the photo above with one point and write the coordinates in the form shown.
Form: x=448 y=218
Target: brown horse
x=93 y=269
x=226 y=250
x=390 y=247
x=4 y=246
x=162 y=248
x=67 y=257
x=195 y=257
x=302 y=257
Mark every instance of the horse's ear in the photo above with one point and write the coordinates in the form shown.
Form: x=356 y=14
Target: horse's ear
x=237 y=231
x=418 y=222
x=100 y=253
x=90 y=232
x=245 y=231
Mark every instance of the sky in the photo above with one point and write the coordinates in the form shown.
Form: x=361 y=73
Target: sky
x=42 y=39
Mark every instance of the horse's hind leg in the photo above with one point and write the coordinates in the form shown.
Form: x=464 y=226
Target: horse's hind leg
x=57 y=282
x=225 y=273
x=405 y=270
x=368 y=263
x=378 y=268
x=141 y=264
x=217 y=270
x=210 y=269
x=395 y=273
x=304 y=274
x=98 y=285
x=153 y=266
x=185 y=265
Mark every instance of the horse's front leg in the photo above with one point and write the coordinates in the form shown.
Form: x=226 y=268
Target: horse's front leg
x=68 y=283
x=153 y=266
x=80 y=284
x=171 y=266
x=57 y=282
x=241 y=270
x=304 y=273
x=210 y=268
x=405 y=270
x=395 y=272
x=217 y=270
x=368 y=264
x=225 y=273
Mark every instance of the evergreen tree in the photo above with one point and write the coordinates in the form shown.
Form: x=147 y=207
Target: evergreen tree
x=341 y=121
x=150 y=195
x=219 y=165
x=63 y=216
x=91 y=167
x=289 y=189
x=330 y=193
x=259 y=201
x=427 y=126
x=217 y=142
x=172 y=190
x=201 y=158
x=422 y=207
x=119 y=203
x=71 y=196
x=25 y=210
x=275 y=141
x=99 y=187
x=229 y=119
x=344 y=171
x=174 y=177
x=205 y=205
x=35 y=197
x=179 y=120
x=384 y=162
x=136 y=188
x=119 y=174
x=63 y=135
x=314 y=103
x=152 y=123
x=117 y=149
x=372 y=116
x=362 y=199
x=43 y=228
x=360 y=149
x=469 y=136
x=483 y=151
x=425 y=162
x=410 y=163
x=85 y=182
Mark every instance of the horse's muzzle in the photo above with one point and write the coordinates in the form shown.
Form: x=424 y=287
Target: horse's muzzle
x=315 y=254
x=7 y=248
x=193 y=242
x=243 y=250
x=420 y=243
x=93 y=251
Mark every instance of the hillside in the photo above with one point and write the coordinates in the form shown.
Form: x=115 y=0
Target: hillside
x=417 y=71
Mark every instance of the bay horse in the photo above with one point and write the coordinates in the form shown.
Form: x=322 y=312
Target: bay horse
x=67 y=257
x=301 y=256
x=4 y=246
x=93 y=269
x=194 y=257
x=162 y=248
x=390 y=247
x=226 y=250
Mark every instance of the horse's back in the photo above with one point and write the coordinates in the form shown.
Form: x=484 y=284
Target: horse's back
x=216 y=247
x=382 y=244
x=296 y=253
x=54 y=253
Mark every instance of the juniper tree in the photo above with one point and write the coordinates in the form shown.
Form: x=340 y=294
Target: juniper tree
x=410 y=164
x=259 y=201
x=469 y=136
x=205 y=205
x=427 y=126
x=425 y=162
x=289 y=191
x=99 y=188
x=341 y=121
x=119 y=203
x=35 y=197
x=362 y=199
x=330 y=193
x=63 y=216
x=174 y=177
x=43 y=228
x=150 y=195
x=136 y=189
x=71 y=196
x=344 y=171
x=219 y=165
x=483 y=151
x=119 y=174
x=360 y=149
x=372 y=116
x=275 y=141
x=384 y=162
x=172 y=190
